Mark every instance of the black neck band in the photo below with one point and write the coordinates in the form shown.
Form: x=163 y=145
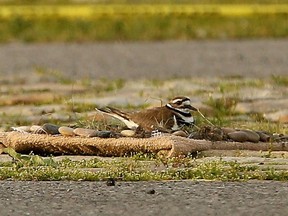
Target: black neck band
x=177 y=111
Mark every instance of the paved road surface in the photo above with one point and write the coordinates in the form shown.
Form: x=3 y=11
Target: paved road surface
x=253 y=58
x=126 y=198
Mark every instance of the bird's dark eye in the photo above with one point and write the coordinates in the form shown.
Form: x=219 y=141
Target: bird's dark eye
x=179 y=103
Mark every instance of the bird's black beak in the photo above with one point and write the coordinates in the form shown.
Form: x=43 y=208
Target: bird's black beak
x=190 y=108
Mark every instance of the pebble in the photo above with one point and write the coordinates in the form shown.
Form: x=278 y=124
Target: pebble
x=66 y=131
x=180 y=133
x=110 y=182
x=50 y=128
x=128 y=133
x=84 y=132
x=101 y=134
x=151 y=191
x=264 y=137
x=227 y=130
x=238 y=136
x=22 y=129
x=284 y=138
x=280 y=137
x=252 y=135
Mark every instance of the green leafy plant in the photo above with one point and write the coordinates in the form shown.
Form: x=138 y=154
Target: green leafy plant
x=28 y=160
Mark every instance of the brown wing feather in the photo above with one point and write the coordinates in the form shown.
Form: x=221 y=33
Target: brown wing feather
x=109 y=110
x=154 y=117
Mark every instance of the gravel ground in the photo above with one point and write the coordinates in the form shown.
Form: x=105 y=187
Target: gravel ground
x=127 y=198
x=253 y=58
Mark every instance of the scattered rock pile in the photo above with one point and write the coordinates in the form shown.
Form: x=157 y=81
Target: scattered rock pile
x=209 y=133
x=236 y=135
x=52 y=129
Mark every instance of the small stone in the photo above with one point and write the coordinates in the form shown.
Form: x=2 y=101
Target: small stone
x=101 y=134
x=276 y=136
x=110 y=182
x=151 y=191
x=66 y=131
x=180 y=133
x=280 y=138
x=227 y=130
x=264 y=137
x=22 y=129
x=252 y=136
x=127 y=133
x=50 y=128
x=84 y=132
x=238 y=136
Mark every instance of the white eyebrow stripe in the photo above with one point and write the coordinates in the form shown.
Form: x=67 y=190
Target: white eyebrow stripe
x=187 y=102
x=176 y=100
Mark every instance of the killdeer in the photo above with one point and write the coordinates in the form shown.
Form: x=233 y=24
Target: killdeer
x=172 y=116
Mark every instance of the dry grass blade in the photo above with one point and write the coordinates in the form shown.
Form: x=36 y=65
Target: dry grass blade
x=205 y=118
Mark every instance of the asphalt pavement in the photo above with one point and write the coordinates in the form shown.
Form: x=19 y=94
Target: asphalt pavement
x=149 y=60
x=144 y=198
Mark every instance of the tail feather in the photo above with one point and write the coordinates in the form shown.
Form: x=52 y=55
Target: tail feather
x=118 y=114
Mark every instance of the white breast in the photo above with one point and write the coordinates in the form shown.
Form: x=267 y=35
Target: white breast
x=175 y=126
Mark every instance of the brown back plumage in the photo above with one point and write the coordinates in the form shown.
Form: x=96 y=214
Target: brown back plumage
x=153 y=118
x=171 y=116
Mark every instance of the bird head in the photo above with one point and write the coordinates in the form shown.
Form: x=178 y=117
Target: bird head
x=182 y=104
